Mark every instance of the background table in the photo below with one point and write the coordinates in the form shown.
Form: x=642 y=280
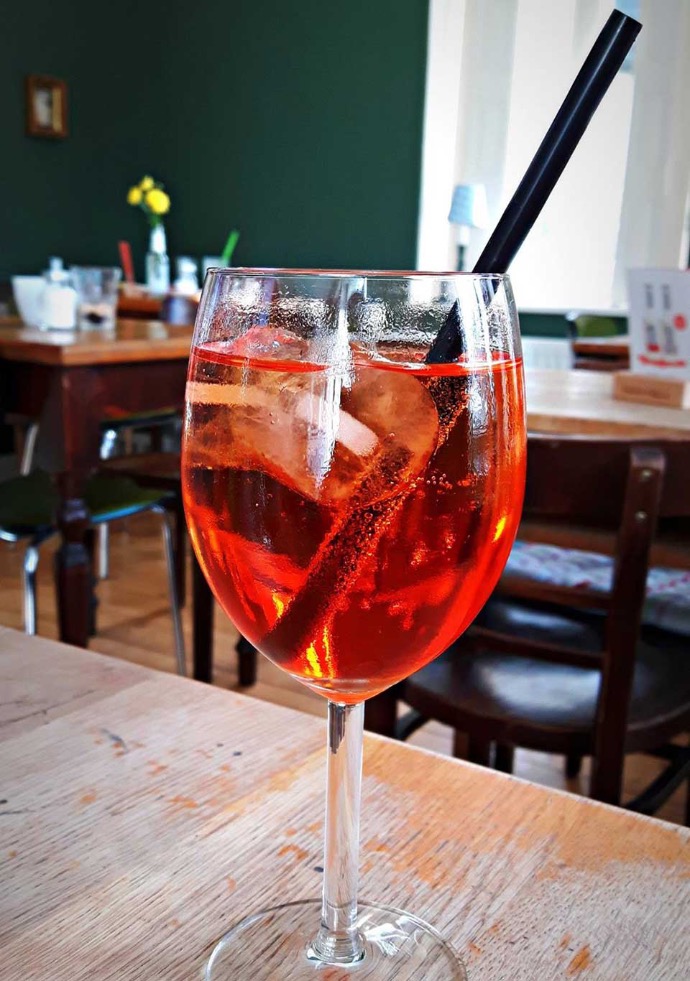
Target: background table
x=138 y=303
x=71 y=381
x=143 y=814
x=582 y=402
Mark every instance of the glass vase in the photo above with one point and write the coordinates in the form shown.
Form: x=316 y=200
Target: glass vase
x=157 y=262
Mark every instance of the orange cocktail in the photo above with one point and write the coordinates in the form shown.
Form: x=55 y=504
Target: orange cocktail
x=351 y=536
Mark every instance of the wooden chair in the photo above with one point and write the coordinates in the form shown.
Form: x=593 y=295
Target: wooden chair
x=570 y=671
x=607 y=352
x=28 y=505
x=151 y=423
x=162 y=471
x=26 y=432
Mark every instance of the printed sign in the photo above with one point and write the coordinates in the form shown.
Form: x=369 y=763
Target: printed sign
x=659 y=322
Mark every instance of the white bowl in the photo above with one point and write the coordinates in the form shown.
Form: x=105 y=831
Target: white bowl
x=28 y=295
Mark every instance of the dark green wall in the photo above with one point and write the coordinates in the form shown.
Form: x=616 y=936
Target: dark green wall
x=300 y=124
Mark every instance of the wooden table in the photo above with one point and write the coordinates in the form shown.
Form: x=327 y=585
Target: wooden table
x=143 y=814
x=139 y=303
x=130 y=341
x=582 y=402
x=71 y=381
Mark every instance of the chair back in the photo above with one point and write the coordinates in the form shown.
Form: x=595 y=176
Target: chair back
x=584 y=480
x=623 y=487
x=585 y=486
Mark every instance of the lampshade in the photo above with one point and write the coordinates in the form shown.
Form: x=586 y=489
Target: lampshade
x=469 y=207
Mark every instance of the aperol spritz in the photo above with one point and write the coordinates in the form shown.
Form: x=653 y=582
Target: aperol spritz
x=352 y=501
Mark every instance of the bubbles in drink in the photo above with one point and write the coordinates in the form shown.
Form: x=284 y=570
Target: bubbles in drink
x=351 y=518
x=322 y=432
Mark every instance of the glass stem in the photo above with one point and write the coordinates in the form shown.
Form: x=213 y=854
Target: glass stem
x=338 y=941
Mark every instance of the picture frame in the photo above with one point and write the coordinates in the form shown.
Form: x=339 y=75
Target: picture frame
x=46 y=107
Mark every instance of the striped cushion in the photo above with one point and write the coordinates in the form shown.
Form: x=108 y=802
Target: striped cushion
x=668 y=590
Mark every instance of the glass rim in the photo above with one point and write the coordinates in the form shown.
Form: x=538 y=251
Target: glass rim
x=269 y=272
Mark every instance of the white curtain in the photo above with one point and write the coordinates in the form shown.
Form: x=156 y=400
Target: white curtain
x=568 y=258
x=484 y=104
x=444 y=55
x=657 y=181
x=497 y=73
x=469 y=68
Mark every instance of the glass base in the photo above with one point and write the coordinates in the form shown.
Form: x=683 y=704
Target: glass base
x=276 y=946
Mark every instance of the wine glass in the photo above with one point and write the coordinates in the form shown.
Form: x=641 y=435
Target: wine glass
x=353 y=472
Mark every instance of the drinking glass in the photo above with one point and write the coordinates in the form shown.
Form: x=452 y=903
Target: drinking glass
x=96 y=288
x=353 y=473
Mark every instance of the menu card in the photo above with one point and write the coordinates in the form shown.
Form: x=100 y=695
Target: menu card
x=659 y=322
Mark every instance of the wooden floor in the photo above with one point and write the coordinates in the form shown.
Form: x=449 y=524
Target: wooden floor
x=134 y=623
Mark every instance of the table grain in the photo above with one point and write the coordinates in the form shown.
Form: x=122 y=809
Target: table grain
x=130 y=341
x=142 y=814
x=581 y=402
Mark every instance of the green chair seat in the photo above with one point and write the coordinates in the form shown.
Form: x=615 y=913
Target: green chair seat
x=28 y=505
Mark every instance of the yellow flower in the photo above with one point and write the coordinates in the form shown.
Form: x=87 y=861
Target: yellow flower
x=134 y=196
x=146 y=184
x=157 y=201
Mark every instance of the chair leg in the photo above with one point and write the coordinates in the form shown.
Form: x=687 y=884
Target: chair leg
x=460 y=745
x=479 y=751
x=172 y=587
x=103 y=550
x=381 y=712
x=107 y=449
x=28 y=449
x=504 y=758
x=687 y=800
x=108 y=441
x=180 y=552
x=203 y=614
x=246 y=658
x=156 y=438
x=606 y=781
x=90 y=542
x=573 y=765
x=31 y=557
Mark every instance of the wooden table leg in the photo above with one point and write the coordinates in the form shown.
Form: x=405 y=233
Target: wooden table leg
x=381 y=712
x=180 y=551
x=73 y=571
x=71 y=402
x=246 y=661
x=202 y=619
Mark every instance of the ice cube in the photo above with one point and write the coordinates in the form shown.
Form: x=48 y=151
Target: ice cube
x=299 y=423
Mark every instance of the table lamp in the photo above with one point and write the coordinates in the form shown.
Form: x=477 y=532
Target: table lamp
x=468 y=210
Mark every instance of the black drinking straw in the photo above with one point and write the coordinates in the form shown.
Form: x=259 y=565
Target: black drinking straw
x=587 y=91
x=338 y=564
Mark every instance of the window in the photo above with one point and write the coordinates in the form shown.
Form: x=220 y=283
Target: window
x=497 y=72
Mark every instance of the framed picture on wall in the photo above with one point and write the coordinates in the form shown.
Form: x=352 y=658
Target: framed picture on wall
x=46 y=106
